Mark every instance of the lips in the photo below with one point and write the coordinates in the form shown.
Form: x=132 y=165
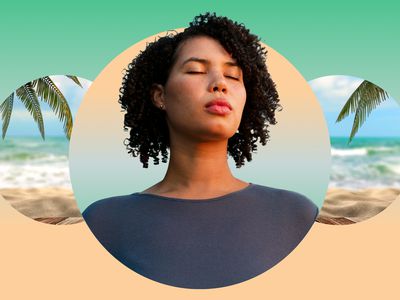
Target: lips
x=218 y=107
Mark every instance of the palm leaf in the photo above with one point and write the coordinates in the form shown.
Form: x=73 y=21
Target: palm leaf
x=362 y=101
x=351 y=104
x=6 y=110
x=28 y=97
x=75 y=79
x=51 y=94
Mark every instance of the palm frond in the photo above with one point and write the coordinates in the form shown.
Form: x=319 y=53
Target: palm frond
x=6 y=110
x=351 y=104
x=75 y=79
x=28 y=97
x=51 y=94
x=364 y=99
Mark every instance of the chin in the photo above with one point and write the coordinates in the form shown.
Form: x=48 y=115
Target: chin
x=213 y=131
x=221 y=135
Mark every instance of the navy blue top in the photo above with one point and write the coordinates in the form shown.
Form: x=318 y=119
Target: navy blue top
x=202 y=243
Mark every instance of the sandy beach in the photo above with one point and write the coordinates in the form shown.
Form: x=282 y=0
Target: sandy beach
x=341 y=206
x=344 y=206
x=47 y=205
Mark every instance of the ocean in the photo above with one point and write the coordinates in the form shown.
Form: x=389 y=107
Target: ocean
x=27 y=162
x=366 y=162
x=31 y=162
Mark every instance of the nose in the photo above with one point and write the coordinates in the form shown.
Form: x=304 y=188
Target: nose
x=218 y=84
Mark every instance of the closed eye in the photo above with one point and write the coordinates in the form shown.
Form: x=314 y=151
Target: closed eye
x=232 y=77
x=195 y=72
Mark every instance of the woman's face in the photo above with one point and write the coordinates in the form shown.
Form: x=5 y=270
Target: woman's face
x=204 y=95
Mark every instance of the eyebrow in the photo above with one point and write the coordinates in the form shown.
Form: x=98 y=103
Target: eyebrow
x=207 y=62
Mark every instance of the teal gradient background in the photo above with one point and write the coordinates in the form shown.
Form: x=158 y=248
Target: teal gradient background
x=357 y=38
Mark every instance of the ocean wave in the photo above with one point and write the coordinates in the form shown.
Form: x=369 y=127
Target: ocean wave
x=382 y=169
x=32 y=162
x=363 y=184
x=395 y=169
x=349 y=152
x=378 y=173
x=383 y=150
x=24 y=176
x=28 y=157
x=363 y=151
x=20 y=156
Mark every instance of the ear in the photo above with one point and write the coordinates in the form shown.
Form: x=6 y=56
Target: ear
x=157 y=96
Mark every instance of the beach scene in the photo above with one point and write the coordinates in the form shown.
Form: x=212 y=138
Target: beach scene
x=37 y=121
x=363 y=123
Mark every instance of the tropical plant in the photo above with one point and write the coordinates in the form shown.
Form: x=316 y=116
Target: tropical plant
x=43 y=89
x=362 y=101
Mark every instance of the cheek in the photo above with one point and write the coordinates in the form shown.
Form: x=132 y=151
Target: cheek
x=241 y=96
x=241 y=103
x=183 y=94
x=180 y=98
x=178 y=87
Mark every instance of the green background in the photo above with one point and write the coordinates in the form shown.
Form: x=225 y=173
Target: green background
x=356 y=38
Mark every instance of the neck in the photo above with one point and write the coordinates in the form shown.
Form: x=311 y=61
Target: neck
x=197 y=170
x=198 y=164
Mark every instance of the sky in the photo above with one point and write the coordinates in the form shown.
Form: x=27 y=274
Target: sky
x=22 y=124
x=333 y=92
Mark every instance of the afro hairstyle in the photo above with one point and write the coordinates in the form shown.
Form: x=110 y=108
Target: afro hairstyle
x=147 y=126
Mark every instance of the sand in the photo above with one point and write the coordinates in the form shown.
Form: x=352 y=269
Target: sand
x=344 y=206
x=341 y=206
x=47 y=205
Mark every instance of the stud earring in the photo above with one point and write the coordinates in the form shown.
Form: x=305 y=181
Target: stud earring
x=162 y=106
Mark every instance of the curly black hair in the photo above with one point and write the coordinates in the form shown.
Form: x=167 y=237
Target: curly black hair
x=148 y=130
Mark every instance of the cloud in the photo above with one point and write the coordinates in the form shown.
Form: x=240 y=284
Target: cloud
x=336 y=86
x=389 y=103
x=24 y=115
x=333 y=92
x=72 y=92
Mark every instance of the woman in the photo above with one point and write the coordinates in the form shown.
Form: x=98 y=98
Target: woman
x=202 y=94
